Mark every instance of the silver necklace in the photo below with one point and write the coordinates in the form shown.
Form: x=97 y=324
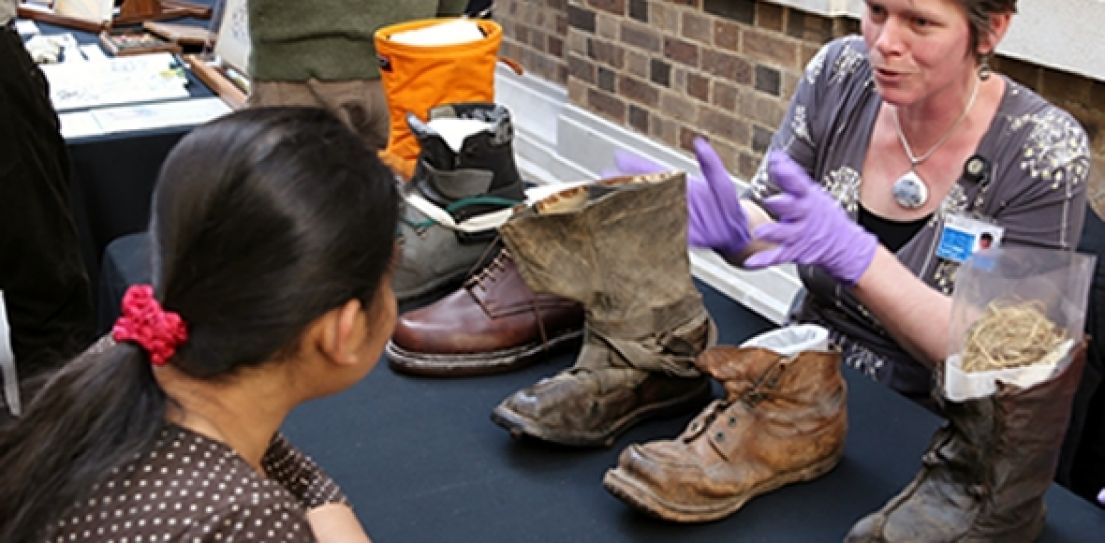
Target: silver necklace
x=910 y=191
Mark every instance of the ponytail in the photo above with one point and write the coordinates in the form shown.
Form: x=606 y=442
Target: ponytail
x=97 y=412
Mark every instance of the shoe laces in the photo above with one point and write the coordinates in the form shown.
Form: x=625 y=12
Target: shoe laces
x=704 y=420
x=453 y=207
x=491 y=272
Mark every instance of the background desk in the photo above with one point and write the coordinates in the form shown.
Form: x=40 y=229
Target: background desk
x=113 y=175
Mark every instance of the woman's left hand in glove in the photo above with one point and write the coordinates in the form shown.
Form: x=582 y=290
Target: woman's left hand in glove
x=811 y=227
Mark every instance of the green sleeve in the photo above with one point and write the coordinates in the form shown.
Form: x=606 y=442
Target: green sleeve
x=451 y=7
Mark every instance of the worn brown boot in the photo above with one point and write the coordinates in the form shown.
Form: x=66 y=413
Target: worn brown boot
x=783 y=420
x=619 y=247
x=985 y=473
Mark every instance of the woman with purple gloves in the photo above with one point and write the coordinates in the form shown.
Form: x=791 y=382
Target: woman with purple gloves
x=890 y=141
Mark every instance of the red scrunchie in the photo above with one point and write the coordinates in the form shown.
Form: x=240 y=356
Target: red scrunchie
x=144 y=322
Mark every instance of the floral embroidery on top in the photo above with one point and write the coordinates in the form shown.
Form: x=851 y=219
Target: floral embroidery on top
x=843 y=184
x=954 y=202
x=857 y=356
x=815 y=65
x=846 y=64
x=944 y=276
x=801 y=127
x=1056 y=149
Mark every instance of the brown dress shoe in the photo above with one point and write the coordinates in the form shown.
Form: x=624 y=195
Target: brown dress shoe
x=783 y=421
x=494 y=323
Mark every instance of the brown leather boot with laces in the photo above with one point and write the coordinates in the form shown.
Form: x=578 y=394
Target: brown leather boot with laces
x=783 y=420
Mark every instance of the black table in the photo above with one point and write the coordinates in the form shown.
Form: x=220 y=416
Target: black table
x=421 y=462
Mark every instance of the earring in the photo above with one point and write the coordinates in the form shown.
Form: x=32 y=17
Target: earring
x=984 y=69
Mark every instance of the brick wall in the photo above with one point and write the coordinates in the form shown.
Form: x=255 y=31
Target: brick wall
x=672 y=69
x=534 y=32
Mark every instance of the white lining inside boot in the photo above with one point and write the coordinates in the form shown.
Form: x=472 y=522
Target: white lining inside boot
x=791 y=340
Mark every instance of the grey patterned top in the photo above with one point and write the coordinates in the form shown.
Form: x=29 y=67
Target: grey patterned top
x=1039 y=158
x=192 y=488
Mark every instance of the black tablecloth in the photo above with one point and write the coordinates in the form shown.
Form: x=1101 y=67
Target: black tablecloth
x=421 y=461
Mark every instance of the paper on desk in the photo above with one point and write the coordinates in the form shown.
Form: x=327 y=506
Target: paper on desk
x=450 y=33
x=79 y=124
x=93 y=53
x=26 y=27
x=159 y=115
x=120 y=80
x=90 y=10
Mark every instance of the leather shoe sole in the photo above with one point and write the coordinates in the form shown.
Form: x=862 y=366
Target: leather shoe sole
x=521 y=426
x=466 y=365
x=629 y=489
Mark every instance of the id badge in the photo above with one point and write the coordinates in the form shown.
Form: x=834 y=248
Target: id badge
x=962 y=236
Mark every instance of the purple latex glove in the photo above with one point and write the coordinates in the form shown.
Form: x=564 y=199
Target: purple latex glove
x=715 y=218
x=812 y=228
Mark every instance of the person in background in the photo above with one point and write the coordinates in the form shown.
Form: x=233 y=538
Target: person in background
x=46 y=290
x=273 y=236
x=868 y=166
x=322 y=54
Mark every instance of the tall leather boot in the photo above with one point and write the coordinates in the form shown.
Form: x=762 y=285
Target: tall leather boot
x=783 y=420
x=456 y=199
x=985 y=473
x=618 y=247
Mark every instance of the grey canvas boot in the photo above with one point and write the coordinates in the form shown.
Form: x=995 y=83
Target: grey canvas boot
x=455 y=200
x=619 y=247
x=985 y=473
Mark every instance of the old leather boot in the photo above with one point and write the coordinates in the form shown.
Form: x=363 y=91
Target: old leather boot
x=456 y=198
x=619 y=248
x=783 y=420
x=494 y=323
x=984 y=475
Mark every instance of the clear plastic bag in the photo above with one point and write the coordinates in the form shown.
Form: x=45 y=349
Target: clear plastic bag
x=1017 y=312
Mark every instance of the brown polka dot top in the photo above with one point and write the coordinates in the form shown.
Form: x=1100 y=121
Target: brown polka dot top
x=189 y=487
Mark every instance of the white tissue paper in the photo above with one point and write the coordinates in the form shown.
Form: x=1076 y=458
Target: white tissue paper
x=791 y=340
x=961 y=385
x=455 y=131
x=454 y=32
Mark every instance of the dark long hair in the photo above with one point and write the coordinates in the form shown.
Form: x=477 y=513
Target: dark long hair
x=262 y=221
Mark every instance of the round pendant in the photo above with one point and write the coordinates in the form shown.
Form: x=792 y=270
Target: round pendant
x=910 y=191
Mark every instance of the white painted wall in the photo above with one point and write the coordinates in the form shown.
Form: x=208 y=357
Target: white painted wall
x=1061 y=34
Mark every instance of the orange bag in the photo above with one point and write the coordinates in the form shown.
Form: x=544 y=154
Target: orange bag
x=417 y=78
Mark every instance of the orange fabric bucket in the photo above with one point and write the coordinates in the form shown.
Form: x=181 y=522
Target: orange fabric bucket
x=417 y=78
